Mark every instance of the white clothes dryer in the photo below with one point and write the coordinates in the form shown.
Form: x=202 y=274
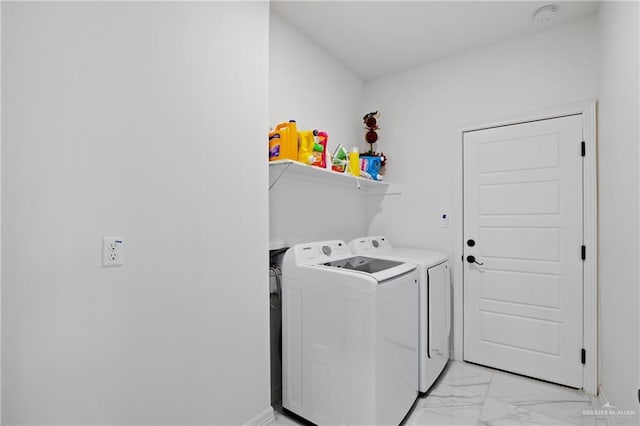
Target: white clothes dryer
x=434 y=301
x=349 y=336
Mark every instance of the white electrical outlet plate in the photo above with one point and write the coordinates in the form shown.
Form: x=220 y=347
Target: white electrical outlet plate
x=112 y=251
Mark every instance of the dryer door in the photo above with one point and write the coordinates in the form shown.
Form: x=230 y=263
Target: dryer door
x=439 y=311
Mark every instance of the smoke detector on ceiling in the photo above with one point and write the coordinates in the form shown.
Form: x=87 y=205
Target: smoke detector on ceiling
x=545 y=14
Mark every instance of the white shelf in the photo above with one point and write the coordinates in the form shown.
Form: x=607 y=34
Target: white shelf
x=295 y=170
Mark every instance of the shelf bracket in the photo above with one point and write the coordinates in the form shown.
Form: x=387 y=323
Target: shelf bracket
x=284 y=169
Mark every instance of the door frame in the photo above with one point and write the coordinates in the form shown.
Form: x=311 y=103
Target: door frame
x=590 y=220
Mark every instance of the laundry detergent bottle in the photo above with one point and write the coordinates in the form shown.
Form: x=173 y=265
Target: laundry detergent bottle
x=322 y=138
x=283 y=142
x=354 y=162
x=307 y=142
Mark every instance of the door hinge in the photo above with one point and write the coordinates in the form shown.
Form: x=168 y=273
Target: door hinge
x=583 y=356
x=583 y=252
x=583 y=149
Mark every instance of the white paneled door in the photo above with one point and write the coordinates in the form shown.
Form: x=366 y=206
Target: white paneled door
x=523 y=236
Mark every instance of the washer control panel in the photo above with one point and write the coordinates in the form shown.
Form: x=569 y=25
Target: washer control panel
x=321 y=252
x=370 y=245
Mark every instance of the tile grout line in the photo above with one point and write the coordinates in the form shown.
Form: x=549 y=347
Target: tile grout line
x=484 y=400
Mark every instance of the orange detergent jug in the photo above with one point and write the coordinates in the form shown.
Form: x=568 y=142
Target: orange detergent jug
x=283 y=142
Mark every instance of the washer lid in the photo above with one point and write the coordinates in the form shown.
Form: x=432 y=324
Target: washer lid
x=364 y=264
x=426 y=258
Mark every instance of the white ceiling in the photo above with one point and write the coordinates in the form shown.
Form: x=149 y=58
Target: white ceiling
x=376 y=38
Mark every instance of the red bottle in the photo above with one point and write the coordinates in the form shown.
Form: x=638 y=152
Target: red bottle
x=323 y=138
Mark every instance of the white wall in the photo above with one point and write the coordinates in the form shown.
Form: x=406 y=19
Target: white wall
x=423 y=110
x=311 y=87
x=618 y=137
x=308 y=85
x=145 y=120
x=0 y=216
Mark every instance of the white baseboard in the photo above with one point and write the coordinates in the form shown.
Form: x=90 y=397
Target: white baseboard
x=262 y=419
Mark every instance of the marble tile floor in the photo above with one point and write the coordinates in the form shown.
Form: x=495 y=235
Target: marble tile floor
x=468 y=394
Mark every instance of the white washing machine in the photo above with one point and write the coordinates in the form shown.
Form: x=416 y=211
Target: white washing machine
x=434 y=296
x=349 y=336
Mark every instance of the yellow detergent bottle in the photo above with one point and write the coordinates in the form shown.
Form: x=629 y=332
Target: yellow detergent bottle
x=307 y=142
x=283 y=142
x=354 y=162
